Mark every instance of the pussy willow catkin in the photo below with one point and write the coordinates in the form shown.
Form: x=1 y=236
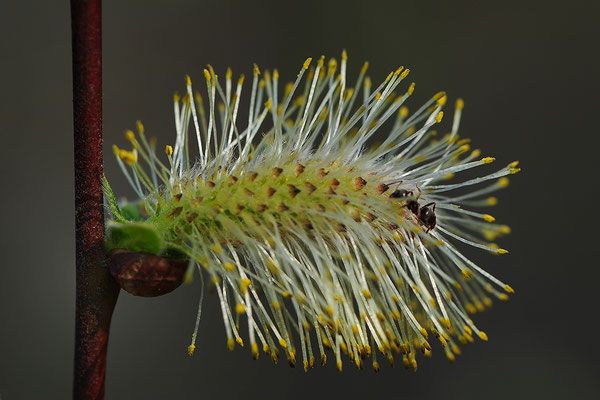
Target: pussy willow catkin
x=327 y=219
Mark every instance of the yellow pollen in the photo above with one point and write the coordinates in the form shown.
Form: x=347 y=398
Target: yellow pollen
x=268 y=104
x=229 y=266
x=488 y=160
x=188 y=80
x=439 y=117
x=488 y=218
x=502 y=251
x=240 y=309
x=503 y=182
x=129 y=135
x=168 y=150
x=403 y=112
x=241 y=80
x=244 y=284
x=364 y=68
x=508 y=289
x=230 y=344
x=216 y=248
x=460 y=104
x=475 y=153
x=207 y=75
x=256 y=70
x=482 y=336
x=492 y=201
x=344 y=55
x=411 y=88
x=404 y=73
x=513 y=164
x=176 y=97
x=283 y=343
x=240 y=341
x=307 y=63
x=191 y=349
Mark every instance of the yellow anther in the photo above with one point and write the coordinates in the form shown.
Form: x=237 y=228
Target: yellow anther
x=492 y=201
x=116 y=149
x=262 y=83
x=240 y=309
x=488 y=160
x=364 y=68
x=397 y=72
x=244 y=284
x=129 y=135
x=240 y=341
x=188 y=80
x=331 y=66
x=176 y=97
x=241 y=80
x=191 y=349
x=229 y=266
x=367 y=82
x=186 y=99
x=230 y=344
x=216 y=248
x=470 y=308
x=508 y=289
x=214 y=279
x=404 y=73
x=139 y=126
x=348 y=94
x=268 y=104
x=411 y=88
x=320 y=62
x=344 y=55
x=503 y=297
x=256 y=70
x=403 y=112
x=503 y=182
x=460 y=104
x=366 y=293
x=389 y=77
x=502 y=251
x=488 y=218
x=513 y=164
x=307 y=63
x=424 y=333
x=487 y=302
x=442 y=100
x=439 y=117
x=329 y=310
x=505 y=229
x=466 y=274
x=482 y=336
x=377 y=96
x=207 y=75
x=475 y=153
x=275 y=74
x=283 y=343
x=254 y=349
x=169 y=150
x=228 y=73
x=450 y=357
x=514 y=170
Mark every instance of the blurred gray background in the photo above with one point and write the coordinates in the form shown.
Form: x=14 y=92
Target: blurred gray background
x=528 y=73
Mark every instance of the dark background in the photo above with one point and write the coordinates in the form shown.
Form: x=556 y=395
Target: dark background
x=528 y=73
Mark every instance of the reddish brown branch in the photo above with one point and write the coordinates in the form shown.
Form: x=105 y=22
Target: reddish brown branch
x=96 y=291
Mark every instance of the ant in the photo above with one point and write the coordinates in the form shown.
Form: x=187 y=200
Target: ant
x=425 y=214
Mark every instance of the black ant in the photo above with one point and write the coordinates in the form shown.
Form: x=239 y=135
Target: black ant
x=425 y=214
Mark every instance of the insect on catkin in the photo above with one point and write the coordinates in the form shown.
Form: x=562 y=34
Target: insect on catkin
x=328 y=219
